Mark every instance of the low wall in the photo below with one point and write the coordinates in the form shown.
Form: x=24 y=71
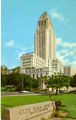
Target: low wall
x=29 y=112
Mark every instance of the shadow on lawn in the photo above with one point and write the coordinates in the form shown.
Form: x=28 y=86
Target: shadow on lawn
x=4 y=105
x=70 y=118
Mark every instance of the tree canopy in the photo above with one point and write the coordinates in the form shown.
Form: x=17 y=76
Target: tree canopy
x=58 y=81
x=73 y=81
x=19 y=81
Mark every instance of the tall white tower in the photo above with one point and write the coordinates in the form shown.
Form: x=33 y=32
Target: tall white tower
x=45 y=39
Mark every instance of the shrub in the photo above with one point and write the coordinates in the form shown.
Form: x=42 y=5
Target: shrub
x=58 y=104
x=55 y=114
x=45 y=119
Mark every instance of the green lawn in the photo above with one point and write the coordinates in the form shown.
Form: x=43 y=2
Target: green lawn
x=69 y=100
x=6 y=91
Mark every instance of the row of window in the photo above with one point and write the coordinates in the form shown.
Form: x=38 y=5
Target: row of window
x=26 y=59
x=41 y=32
x=38 y=60
x=42 y=23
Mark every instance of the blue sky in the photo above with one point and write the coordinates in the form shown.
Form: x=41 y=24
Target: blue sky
x=18 y=26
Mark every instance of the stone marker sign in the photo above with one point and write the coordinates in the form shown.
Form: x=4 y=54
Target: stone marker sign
x=29 y=112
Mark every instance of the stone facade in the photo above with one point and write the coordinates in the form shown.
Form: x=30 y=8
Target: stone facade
x=57 y=66
x=38 y=72
x=31 y=60
x=69 y=71
x=29 y=112
x=45 y=39
x=43 y=60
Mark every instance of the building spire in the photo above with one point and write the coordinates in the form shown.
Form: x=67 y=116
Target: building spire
x=44 y=15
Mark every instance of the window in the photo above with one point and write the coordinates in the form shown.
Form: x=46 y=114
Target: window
x=45 y=22
x=42 y=23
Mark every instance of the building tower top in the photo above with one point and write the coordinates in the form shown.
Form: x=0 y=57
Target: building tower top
x=45 y=16
x=45 y=39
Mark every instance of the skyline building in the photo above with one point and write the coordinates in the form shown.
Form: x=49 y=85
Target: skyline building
x=69 y=70
x=43 y=61
x=45 y=39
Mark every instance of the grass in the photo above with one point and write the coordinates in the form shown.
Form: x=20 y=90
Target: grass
x=12 y=101
x=69 y=100
x=69 y=119
x=6 y=91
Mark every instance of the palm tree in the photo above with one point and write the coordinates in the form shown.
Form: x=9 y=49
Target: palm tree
x=17 y=69
x=4 y=69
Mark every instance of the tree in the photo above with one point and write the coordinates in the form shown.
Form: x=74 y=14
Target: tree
x=58 y=81
x=20 y=81
x=11 y=79
x=73 y=81
x=30 y=83
x=4 y=70
x=44 y=79
x=17 y=69
x=36 y=83
x=3 y=80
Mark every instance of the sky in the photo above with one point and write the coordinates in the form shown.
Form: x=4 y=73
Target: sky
x=19 y=22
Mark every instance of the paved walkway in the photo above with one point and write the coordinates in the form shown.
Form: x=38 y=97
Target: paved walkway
x=20 y=94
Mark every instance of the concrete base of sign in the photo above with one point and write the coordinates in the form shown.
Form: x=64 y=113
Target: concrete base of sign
x=29 y=112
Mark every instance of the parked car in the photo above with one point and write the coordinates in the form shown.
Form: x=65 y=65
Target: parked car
x=24 y=91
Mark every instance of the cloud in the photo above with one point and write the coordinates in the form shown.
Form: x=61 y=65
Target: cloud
x=55 y=15
x=24 y=49
x=62 y=58
x=73 y=63
x=20 y=52
x=65 y=44
x=10 y=43
x=66 y=56
x=75 y=57
x=66 y=53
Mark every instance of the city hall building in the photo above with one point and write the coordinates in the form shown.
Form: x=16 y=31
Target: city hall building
x=43 y=61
